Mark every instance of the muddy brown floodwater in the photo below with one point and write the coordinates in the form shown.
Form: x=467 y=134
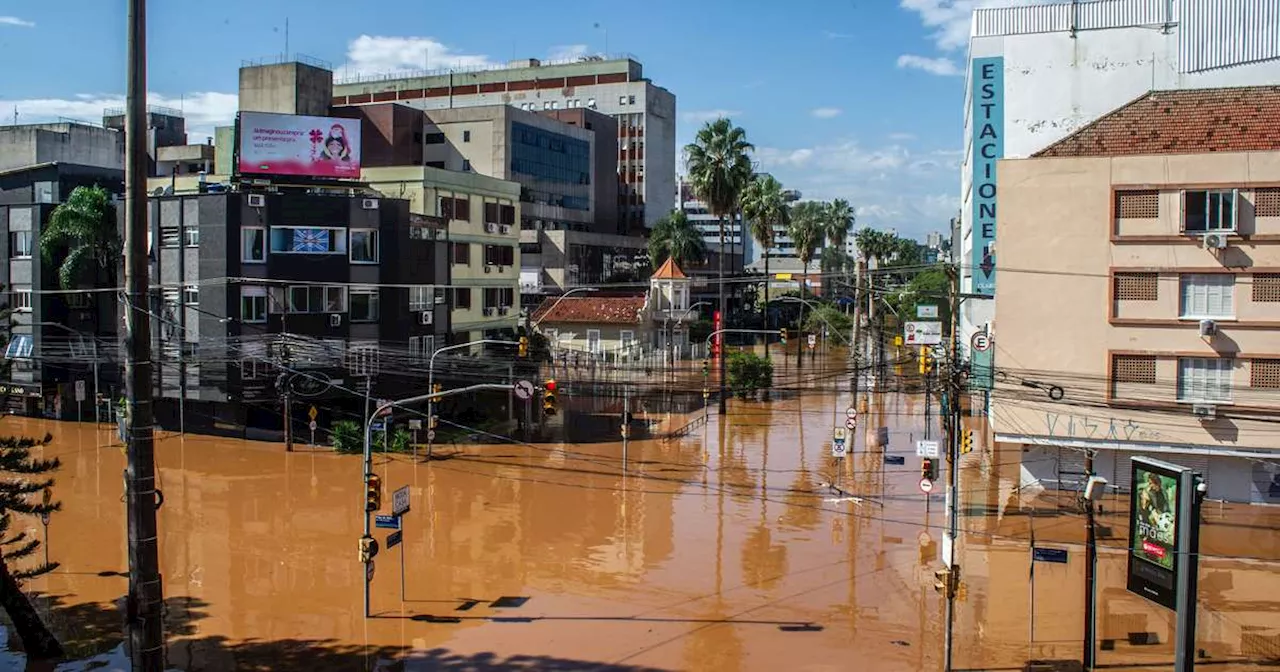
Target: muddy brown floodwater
x=719 y=550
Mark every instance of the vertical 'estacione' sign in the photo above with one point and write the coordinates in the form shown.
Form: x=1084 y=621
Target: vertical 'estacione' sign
x=987 y=127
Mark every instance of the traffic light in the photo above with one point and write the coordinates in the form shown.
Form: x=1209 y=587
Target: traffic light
x=782 y=335
x=433 y=422
x=368 y=549
x=926 y=363
x=372 y=493
x=435 y=388
x=966 y=442
x=944 y=582
x=549 y=400
x=706 y=368
x=929 y=469
x=524 y=346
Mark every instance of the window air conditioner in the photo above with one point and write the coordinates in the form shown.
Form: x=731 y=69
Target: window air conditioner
x=369 y=204
x=1208 y=328
x=427 y=317
x=257 y=200
x=1204 y=411
x=488 y=312
x=490 y=227
x=335 y=320
x=504 y=229
x=1214 y=241
x=488 y=268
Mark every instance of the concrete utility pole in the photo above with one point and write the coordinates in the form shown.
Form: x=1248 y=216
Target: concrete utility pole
x=1090 y=570
x=953 y=456
x=144 y=602
x=724 y=320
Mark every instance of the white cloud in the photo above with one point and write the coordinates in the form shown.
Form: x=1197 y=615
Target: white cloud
x=703 y=116
x=202 y=110
x=376 y=54
x=567 y=52
x=826 y=112
x=950 y=20
x=902 y=136
x=843 y=157
x=941 y=66
x=15 y=21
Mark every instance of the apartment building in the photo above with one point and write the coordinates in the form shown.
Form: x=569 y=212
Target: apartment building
x=1036 y=74
x=480 y=215
x=645 y=113
x=1156 y=230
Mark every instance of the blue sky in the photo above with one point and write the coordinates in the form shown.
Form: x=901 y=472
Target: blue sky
x=856 y=99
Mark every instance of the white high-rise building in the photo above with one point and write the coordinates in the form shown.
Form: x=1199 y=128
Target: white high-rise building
x=645 y=112
x=1036 y=74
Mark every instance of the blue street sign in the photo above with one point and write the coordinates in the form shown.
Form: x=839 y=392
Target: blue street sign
x=378 y=426
x=1055 y=555
x=385 y=522
x=393 y=539
x=895 y=459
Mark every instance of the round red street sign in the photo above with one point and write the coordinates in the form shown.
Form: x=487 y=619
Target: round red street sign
x=926 y=486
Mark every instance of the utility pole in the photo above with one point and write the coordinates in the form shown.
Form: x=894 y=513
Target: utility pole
x=144 y=603
x=953 y=450
x=182 y=314
x=724 y=322
x=855 y=351
x=282 y=385
x=1090 y=571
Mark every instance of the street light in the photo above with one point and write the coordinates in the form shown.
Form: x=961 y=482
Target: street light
x=431 y=378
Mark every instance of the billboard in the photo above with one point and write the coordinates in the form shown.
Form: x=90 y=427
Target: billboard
x=922 y=333
x=289 y=144
x=1153 y=530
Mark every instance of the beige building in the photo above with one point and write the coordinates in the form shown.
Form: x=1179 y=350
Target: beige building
x=485 y=243
x=1141 y=258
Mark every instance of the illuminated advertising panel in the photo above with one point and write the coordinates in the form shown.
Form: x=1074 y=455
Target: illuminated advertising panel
x=290 y=144
x=1153 y=530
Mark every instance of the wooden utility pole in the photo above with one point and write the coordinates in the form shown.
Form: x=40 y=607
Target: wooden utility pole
x=143 y=608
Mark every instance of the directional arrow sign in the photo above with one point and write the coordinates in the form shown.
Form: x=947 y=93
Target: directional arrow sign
x=988 y=264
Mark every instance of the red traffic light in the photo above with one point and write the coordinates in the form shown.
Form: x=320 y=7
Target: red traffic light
x=550 y=386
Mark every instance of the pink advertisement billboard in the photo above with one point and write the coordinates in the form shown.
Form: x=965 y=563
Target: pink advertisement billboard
x=287 y=144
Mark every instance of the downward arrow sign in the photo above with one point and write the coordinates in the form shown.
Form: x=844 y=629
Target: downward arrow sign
x=987 y=265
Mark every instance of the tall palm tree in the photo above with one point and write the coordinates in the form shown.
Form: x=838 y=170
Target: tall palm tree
x=765 y=207
x=82 y=233
x=840 y=219
x=675 y=237
x=805 y=231
x=719 y=169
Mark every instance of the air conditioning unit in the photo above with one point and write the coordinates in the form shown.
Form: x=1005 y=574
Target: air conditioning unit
x=335 y=320
x=1214 y=241
x=442 y=234
x=490 y=227
x=502 y=310
x=1208 y=328
x=369 y=204
x=427 y=317
x=504 y=229
x=487 y=312
x=1204 y=411
x=257 y=200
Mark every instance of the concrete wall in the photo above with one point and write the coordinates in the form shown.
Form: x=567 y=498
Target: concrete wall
x=81 y=144
x=286 y=88
x=1056 y=221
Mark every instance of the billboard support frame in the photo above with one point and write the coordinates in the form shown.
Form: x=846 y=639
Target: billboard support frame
x=1188 y=579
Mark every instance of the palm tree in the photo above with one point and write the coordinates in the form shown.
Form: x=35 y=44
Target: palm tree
x=719 y=169
x=805 y=231
x=840 y=219
x=675 y=237
x=765 y=207
x=83 y=233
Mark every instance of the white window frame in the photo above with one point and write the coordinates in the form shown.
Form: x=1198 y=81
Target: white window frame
x=377 y=246
x=191 y=295
x=336 y=233
x=14 y=247
x=1213 y=227
x=1215 y=380
x=626 y=337
x=362 y=358
x=622 y=100
x=22 y=300
x=244 y=244
x=191 y=236
x=421 y=297
x=374 y=307
x=593 y=336
x=252 y=368
x=1206 y=296
x=340 y=293
x=253 y=292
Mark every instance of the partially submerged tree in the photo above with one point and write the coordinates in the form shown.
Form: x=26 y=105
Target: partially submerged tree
x=23 y=481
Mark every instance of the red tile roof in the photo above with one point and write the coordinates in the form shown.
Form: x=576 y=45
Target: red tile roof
x=1192 y=121
x=670 y=270
x=591 y=309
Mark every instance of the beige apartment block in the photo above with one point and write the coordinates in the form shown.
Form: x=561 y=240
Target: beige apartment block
x=1141 y=266
x=483 y=215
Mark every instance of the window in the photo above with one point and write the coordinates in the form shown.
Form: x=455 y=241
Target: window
x=591 y=102
x=1137 y=286
x=308 y=240
x=593 y=340
x=1144 y=204
x=22 y=300
x=546 y=105
x=455 y=208
x=191 y=295
x=1209 y=210
x=622 y=100
x=466 y=165
x=462 y=298
x=364 y=246
x=626 y=336
x=317 y=299
x=466 y=136
x=555 y=105
x=1266 y=287
x=435 y=164
x=422 y=346
x=499 y=255
x=253 y=244
x=1204 y=380
x=461 y=254
x=433 y=139
x=499 y=297
x=364 y=304
x=253 y=303
x=1264 y=374
x=192 y=235
x=1208 y=295
x=420 y=298
x=20 y=244
x=362 y=359
x=20 y=347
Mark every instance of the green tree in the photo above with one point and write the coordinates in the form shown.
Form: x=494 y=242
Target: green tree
x=25 y=478
x=806 y=231
x=719 y=169
x=82 y=239
x=674 y=236
x=748 y=373
x=345 y=437
x=838 y=222
x=765 y=206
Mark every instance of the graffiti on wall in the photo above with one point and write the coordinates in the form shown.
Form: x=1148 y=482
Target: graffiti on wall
x=1074 y=426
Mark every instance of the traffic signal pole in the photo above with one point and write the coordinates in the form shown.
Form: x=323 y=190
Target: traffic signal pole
x=953 y=457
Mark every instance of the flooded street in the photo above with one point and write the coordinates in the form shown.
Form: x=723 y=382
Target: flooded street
x=719 y=550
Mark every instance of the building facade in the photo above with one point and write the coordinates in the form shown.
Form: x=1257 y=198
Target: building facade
x=1038 y=73
x=1161 y=249
x=552 y=262
x=645 y=113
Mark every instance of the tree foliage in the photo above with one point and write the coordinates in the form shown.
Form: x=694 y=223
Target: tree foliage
x=24 y=481
x=675 y=237
x=82 y=238
x=719 y=166
x=839 y=220
x=807 y=228
x=765 y=206
x=748 y=373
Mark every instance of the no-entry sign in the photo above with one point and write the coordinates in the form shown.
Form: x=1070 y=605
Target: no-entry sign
x=926 y=486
